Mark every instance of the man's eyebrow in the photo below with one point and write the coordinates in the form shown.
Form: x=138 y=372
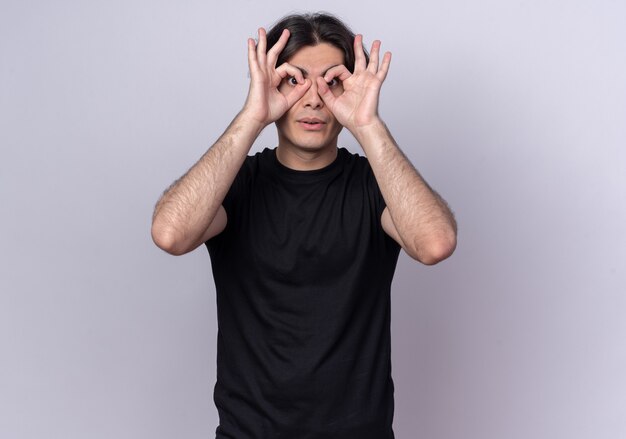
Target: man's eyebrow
x=305 y=73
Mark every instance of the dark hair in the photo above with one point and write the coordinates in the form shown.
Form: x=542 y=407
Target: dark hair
x=311 y=30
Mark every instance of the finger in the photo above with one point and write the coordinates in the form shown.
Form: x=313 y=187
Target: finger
x=340 y=72
x=374 y=53
x=252 y=61
x=261 y=47
x=287 y=69
x=272 y=54
x=297 y=92
x=359 y=55
x=326 y=94
x=384 y=67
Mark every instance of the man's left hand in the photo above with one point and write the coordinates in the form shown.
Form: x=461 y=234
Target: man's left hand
x=357 y=106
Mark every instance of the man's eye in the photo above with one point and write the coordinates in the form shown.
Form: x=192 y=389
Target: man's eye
x=292 y=80
x=333 y=82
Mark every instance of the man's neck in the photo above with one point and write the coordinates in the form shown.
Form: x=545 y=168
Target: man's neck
x=303 y=160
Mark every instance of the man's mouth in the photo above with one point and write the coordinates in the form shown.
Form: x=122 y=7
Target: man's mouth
x=311 y=123
x=311 y=120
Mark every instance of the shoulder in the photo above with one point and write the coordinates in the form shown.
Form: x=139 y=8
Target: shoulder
x=353 y=160
x=349 y=156
x=255 y=163
x=260 y=157
x=357 y=166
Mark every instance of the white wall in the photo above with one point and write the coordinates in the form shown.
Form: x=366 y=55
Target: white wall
x=514 y=111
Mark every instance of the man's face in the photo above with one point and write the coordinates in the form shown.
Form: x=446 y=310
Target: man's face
x=308 y=124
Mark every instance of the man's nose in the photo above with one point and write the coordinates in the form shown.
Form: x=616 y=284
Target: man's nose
x=311 y=97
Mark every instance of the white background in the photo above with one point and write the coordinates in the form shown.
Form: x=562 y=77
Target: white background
x=514 y=111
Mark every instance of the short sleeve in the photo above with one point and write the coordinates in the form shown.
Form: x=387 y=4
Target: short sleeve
x=232 y=202
x=378 y=202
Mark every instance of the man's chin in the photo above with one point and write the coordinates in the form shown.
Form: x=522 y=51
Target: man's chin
x=310 y=141
x=315 y=147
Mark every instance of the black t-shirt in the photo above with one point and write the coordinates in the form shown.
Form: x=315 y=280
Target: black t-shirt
x=303 y=273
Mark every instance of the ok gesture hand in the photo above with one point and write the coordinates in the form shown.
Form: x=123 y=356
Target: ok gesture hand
x=265 y=104
x=357 y=106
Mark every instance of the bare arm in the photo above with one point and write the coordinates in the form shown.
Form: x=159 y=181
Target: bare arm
x=190 y=211
x=415 y=216
x=185 y=212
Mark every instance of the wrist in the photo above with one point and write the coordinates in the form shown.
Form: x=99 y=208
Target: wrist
x=371 y=130
x=246 y=119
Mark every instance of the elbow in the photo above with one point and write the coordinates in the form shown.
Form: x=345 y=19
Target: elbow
x=435 y=250
x=167 y=240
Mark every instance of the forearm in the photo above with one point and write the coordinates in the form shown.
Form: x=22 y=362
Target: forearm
x=421 y=217
x=187 y=208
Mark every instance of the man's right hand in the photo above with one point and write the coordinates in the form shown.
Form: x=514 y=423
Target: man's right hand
x=190 y=212
x=265 y=104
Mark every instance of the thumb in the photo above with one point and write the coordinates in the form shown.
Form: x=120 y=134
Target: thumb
x=297 y=92
x=324 y=91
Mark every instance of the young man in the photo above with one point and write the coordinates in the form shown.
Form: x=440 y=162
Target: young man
x=304 y=239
